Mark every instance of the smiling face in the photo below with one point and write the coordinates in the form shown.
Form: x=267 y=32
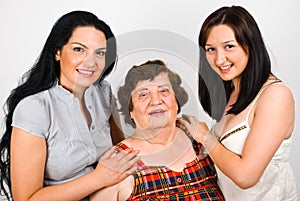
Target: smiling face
x=224 y=54
x=82 y=59
x=154 y=103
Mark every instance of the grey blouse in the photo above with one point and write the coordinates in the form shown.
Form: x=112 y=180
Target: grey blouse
x=72 y=146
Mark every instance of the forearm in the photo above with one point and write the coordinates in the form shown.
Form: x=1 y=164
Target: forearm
x=243 y=171
x=74 y=190
x=109 y=193
x=234 y=166
x=112 y=168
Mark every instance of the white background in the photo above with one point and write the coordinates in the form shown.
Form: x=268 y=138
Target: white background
x=26 y=24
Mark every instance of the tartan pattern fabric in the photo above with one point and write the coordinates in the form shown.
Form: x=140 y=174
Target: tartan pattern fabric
x=197 y=181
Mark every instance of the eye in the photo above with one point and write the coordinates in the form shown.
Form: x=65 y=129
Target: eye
x=210 y=49
x=229 y=46
x=101 y=52
x=143 y=95
x=78 y=49
x=165 y=91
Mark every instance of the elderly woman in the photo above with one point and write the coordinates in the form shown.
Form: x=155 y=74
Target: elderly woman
x=171 y=165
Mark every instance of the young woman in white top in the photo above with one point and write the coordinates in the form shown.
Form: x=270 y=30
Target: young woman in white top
x=254 y=110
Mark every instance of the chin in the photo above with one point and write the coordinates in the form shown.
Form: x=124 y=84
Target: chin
x=83 y=84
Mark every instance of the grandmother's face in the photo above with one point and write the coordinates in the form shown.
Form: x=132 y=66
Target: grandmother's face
x=154 y=103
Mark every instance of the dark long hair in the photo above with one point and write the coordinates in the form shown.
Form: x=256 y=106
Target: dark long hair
x=44 y=74
x=213 y=92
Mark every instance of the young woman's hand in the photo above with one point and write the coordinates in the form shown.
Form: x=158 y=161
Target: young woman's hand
x=196 y=128
x=116 y=165
x=200 y=132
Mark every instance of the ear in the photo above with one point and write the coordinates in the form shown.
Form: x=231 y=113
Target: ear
x=131 y=115
x=57 y=55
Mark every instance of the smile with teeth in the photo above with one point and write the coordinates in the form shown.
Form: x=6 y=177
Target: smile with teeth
x=225 y=67
x=85 y=72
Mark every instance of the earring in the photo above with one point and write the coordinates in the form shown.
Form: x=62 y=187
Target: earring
x=56 y=55
x=56 y=59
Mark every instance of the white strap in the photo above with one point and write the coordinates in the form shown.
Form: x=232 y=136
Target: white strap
x=258 y=94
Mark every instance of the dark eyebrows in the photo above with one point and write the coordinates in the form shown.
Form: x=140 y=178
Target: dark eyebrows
x=228 y=41
x=102 y=48
x=77 y=43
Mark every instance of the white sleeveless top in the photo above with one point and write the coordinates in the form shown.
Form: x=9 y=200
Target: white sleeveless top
x=277 y=182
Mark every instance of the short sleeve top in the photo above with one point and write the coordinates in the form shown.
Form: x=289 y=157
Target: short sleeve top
x=72 y=146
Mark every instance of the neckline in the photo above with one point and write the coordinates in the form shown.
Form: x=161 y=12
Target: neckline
x=245 y=122
x=142 y=165
x=235 y=129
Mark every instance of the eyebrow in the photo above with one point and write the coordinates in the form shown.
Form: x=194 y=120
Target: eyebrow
x=159 y=86
x=77 y=43
x=228 y=41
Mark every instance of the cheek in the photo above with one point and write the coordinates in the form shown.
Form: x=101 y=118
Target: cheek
x=210 y=60
x=172 y=104
x=243 y=57
x=140 y=117
x=99 y=66
x=245 y=61
x=138 y=111
x=100 y=62
x=69 y=61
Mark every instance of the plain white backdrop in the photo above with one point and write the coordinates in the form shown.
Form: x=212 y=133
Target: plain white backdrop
x=26 y=24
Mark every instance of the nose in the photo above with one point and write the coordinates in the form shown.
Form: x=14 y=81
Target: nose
x=155 y=98
x=90 y=60
x=220 y=58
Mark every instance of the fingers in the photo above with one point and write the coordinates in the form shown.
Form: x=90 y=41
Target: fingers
x=186 y=118
x=129 y=171
x=188 y=121
x=193 y=125
x=189 y=118
x=127 y=160
x=120 y=160
x=124 y=155
x=110 y=153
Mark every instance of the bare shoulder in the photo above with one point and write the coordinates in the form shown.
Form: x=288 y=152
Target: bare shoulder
x=276 y=103
x=133 y=142
x=277 y=92
x=126 y=188
x=275 y=110
x=128 y=141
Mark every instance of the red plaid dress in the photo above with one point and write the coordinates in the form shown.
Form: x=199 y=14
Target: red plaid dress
x=197 y=181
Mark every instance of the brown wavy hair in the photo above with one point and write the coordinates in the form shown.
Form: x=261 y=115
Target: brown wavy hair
x=148 y=71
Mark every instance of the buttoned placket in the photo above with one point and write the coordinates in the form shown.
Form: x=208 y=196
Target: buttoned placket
x=83 y=131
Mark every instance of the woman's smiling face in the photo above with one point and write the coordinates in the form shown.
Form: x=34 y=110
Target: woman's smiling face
x=225 y=55
x=154 y=103
x=82 y=59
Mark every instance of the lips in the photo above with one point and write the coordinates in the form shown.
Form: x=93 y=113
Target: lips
x=157 y=112
x=226 y=68
x=85 y=72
